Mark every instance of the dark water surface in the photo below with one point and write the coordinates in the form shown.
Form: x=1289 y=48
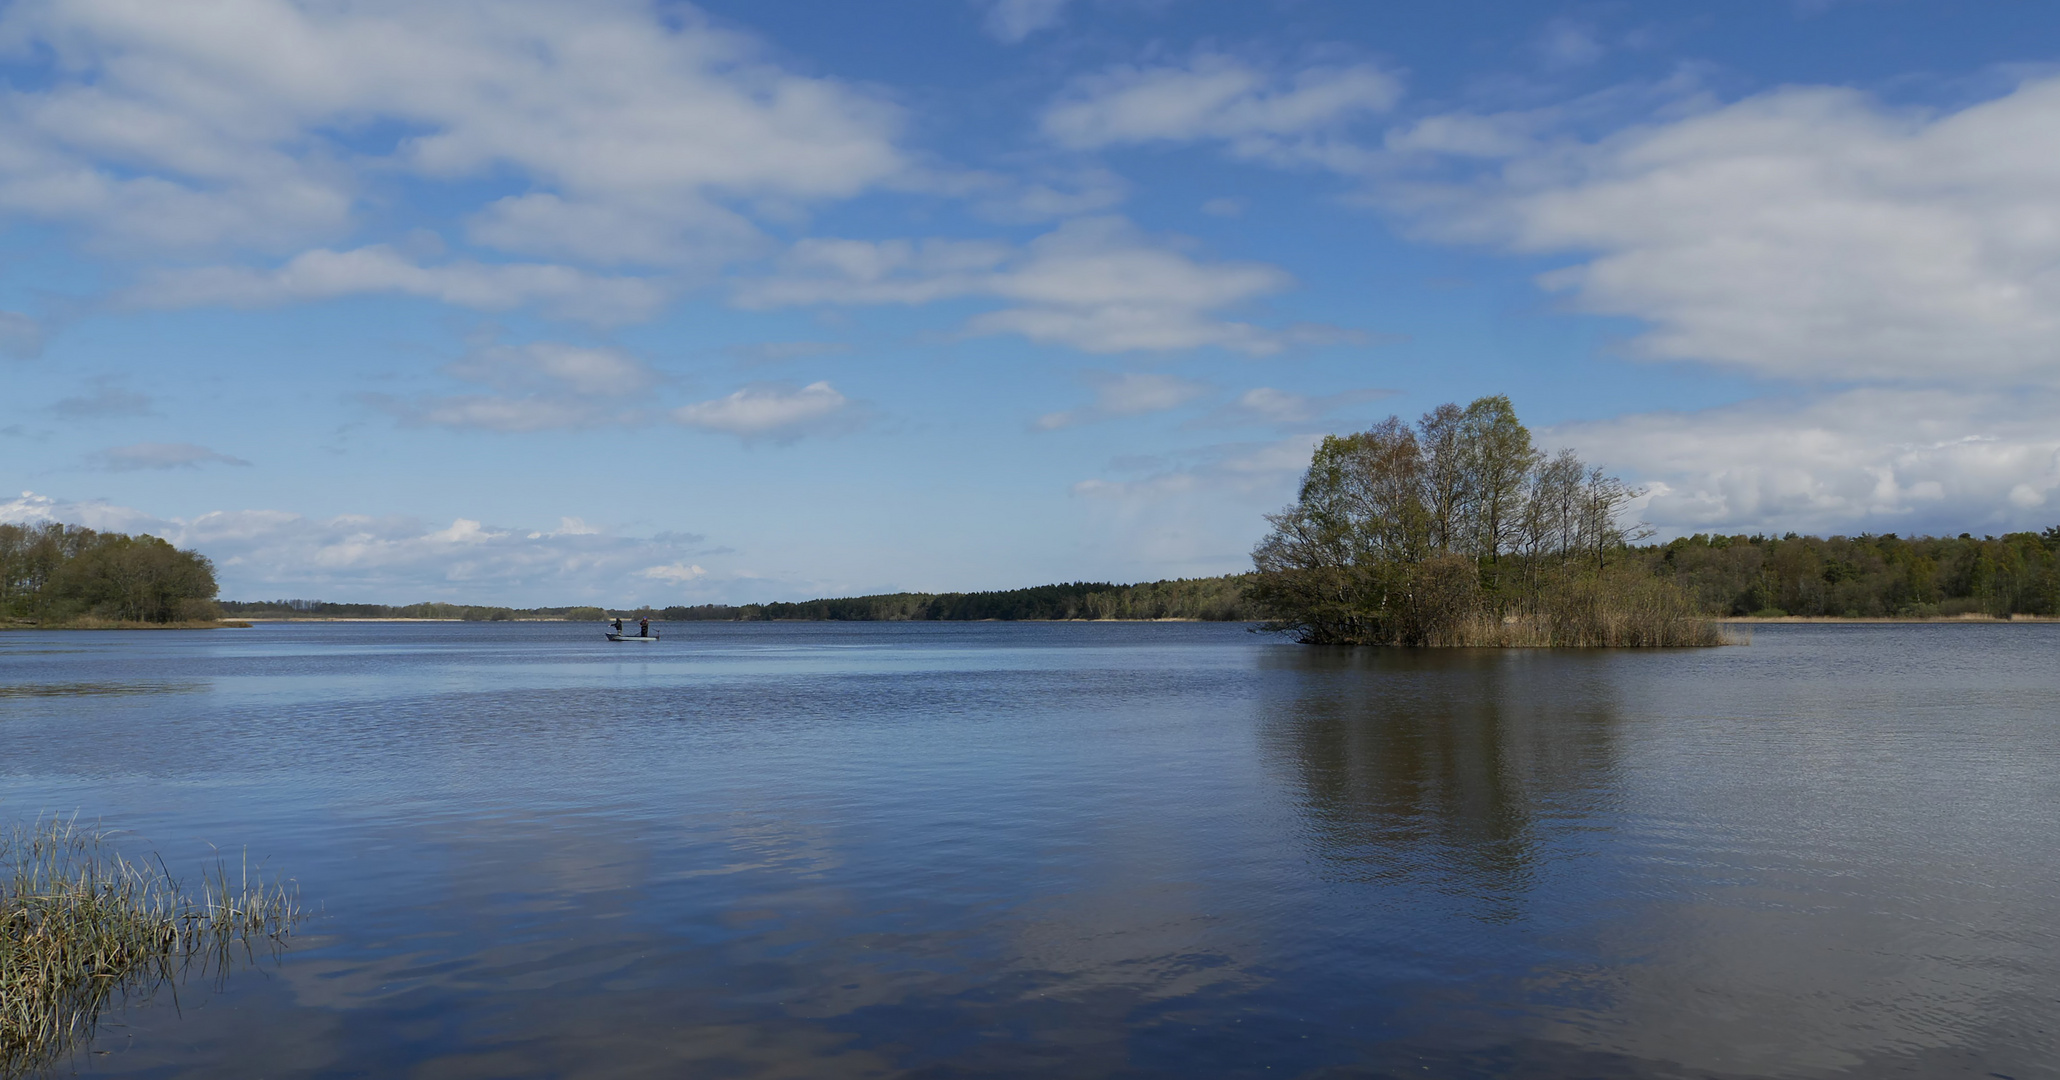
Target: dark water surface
x=1081 y=850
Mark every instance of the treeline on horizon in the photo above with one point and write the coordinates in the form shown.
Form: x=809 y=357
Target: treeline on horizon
x=55 y=574
x=428 y=609
x=1215 y=599
x=1866 y=576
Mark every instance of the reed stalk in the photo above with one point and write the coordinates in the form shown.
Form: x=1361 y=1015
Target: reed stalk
x=82 y=927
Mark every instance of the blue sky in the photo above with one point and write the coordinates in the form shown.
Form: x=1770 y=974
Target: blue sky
x=616 y=302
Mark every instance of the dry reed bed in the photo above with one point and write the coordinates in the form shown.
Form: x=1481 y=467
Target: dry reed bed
x=81 y=927
x=1610 y=630
x=1608 y=613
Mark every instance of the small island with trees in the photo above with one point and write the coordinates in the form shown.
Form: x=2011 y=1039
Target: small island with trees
x=57 y=575
x=1458 y=531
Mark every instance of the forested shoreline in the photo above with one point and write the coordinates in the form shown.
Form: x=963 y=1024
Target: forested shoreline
x=67 y=575
x=1742 y=576
x=56 y=575
x=428 y=609
x=1215 y=599
x=1867 y=576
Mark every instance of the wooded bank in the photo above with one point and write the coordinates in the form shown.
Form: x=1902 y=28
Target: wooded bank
x=58 y=575
x=1868 y=576
x=1216 y=599
x=325 y=610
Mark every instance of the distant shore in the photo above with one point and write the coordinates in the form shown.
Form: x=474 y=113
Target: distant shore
x=249 y=621
x=671 y=622
x=368 y=618
x=115 y=624
x=1974 y=620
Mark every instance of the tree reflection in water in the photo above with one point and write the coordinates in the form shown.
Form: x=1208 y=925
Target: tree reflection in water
x=1443 y=769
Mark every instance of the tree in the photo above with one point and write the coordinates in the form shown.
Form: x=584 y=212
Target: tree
x=55 y=572
x=1499 y=458
x=1397 y=533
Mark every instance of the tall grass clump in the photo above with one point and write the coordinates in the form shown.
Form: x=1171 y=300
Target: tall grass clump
x=1613 y=610
x=82 y=926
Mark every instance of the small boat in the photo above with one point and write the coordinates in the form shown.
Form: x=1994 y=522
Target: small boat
x=613 y=636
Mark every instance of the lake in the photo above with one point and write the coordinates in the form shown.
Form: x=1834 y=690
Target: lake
x=1080 y=850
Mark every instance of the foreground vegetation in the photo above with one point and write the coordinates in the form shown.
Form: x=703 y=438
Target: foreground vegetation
x=82 y=927
x=57 y=575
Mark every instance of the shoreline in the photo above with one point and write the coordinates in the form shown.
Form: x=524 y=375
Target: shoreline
x=1878 y=620
x=247 y=622
x=213 y=624
x=688 y=622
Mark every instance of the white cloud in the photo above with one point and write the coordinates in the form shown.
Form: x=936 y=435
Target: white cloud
x=262 y=554
x=1236 y=469
x=1255 y=113
x=1047 y=197
x=1469 y=135
x=1013 y=20
x=620 y=230
x=465 y=531
x=323 y=274
x=568 y=526
x=1275 y=406
x=1131 y=393
x=544 y=386
x=107 y=398
x=494 y=412
x=1887 y=460
x=673 y=573
x=1807 y=233
x=779 y=352
x=641 y=133
x=21 y=337
x=832 y=271
x=154 y=455
x=32 y=508
x=1127 y=394
x=1282 y=408
x=766 y=410
x=1096 y=284
x=1565 y=43
x=555 y=366
x=1196 y=511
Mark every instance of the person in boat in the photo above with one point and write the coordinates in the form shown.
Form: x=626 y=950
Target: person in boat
x=643 y=628
x=617 y=624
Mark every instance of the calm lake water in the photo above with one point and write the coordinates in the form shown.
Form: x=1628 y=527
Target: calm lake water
x=1081 y=850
